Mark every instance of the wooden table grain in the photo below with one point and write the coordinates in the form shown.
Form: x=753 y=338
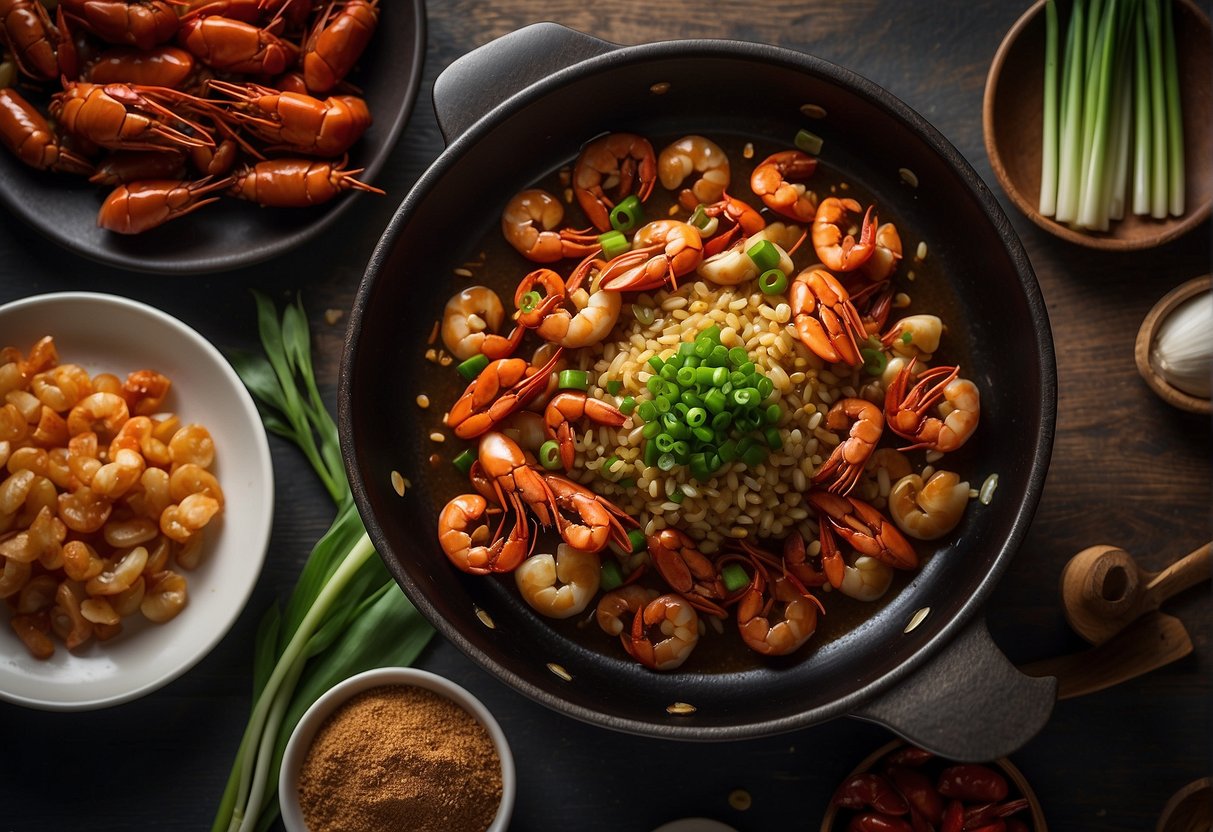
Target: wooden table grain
x=1126 y=469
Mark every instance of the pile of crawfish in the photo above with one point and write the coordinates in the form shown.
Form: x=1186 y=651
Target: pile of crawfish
x=175 y=103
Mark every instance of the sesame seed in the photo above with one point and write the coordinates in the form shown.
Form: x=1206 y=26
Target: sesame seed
x=908 y=176
x=437 y=437
x=398 y=483
x=486 y=619
x=681 y=708
x=423 y=401
x=813 y=110
x=917 y=618
x=462 y=272
x=559 y=671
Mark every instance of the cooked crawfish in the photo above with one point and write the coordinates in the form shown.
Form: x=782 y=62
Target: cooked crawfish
x=138 y=206
x=28 y=34
x=687 y=570
x=529 y=224
x=826 y=320
x=777 y=181
x=845 y=465
x=664 y=251
x=504 y=386
x=162 y=66
x=671 y=616
x=777 y=622
x=123 y=116
x=863 y=527
x=292 y=183
x=841 y=252
x=228 y=45
x=906 y=409
x=466 y=549
x=124 y=166
x=336 y=42
x=297 y=123
x=597 y=521
x=566 y=407
x=141 y=24
x=616 y=161
x=30 y=137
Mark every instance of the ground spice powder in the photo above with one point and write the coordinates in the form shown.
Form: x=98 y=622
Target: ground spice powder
x=399 y=757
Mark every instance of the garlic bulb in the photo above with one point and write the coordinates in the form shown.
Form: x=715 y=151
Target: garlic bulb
x=1183 y=348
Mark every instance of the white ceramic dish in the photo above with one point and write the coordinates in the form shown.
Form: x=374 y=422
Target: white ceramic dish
x=301 y=738
x=105 y=333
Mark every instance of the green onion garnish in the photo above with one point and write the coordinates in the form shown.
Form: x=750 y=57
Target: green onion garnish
x=529 y=301
x=808 y=142
x=764 y=254
x=874 y=361
x=610 y=576
x=772 y=282
x=627 y=215
x=573 y=380
x=614 y=386
x=699 y=218
x=473 y=366
x=464 y=461
x=637 y=538
x=614 y=244
x=549 y=455
x=627 y=405
x=734 y=577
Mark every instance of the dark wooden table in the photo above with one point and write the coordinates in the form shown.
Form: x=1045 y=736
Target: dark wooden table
x=1127 y=469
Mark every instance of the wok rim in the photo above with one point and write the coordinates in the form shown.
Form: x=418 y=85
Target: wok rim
x=1019 y=520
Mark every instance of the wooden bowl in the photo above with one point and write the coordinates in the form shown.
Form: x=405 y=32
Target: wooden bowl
x=1012 y=123
x=1189 y=810
x=1145 y=340
x=831 y=822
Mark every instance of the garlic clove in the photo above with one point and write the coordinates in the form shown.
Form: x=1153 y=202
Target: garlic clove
x=1182 y=352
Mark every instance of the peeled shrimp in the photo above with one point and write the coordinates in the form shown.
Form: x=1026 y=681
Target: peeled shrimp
x=733 y=266
x=694 y=154
x=928 y=511
x=612 y=605
x=594 y=319
x=885 y=256
x=671 y=616
x=914 y=336
x=468 y=318
x=560 y=586
x=867 y=579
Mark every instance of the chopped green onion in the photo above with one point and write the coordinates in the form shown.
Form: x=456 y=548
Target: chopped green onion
x=662 y=403
x=696 y=416
x=772 y=414
x=682 y=449
x=765 y=388
x=627 y=482
x=549 y=455
x=627 y=405
x=715 y=401
x=699 y=467
x=704 y=435
x=874 y=361
x=727 y=451
x=773 y=282
x=734 y=577
x=666 y=462
x=907 y=337
x=614 y=386
x=610 y=576
x=686 y=376
x=764 y=254
x=614 y=244
x=711 y=334
x=464 y=461
x=699 y=218
x=529 y=301
x=608 y=466
x=755 y=455
x=677 y=497
x=808 y=142
x=656 y=363
x=738 y=356
x=774 y=440
x=651 y=430
x=573 y=380
x=651 y=454
x=745 y=397
x=721 y=421
x=1048 y=167
x=665 y=442
x=644 y=314
x=627 y=215
x=1175 y=127
x=473 y=366
x=647 y=411
x=638 y=540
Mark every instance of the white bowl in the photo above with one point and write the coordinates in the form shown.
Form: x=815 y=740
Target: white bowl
x=105 y=333
x=315 y=716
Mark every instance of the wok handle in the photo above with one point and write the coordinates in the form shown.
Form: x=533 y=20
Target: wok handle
x=475 y=83
x=968 y=703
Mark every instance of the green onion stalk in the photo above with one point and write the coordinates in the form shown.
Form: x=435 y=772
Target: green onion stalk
x=345 y=613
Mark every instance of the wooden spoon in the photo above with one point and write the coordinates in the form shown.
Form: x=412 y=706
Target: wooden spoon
x=1103 y=589
x=1148 y=643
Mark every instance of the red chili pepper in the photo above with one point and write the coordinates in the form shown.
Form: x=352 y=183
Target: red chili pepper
x=918 y=791
x=953 y=817
x=969 y=781
x=870 y=789
x=872 y=822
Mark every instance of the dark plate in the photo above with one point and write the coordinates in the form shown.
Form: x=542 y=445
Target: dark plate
x=233 y=233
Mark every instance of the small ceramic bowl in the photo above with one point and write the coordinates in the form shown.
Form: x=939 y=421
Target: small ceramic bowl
x=1145 y=341
x=315 y=717
x=1012 y=124
x=834 y=816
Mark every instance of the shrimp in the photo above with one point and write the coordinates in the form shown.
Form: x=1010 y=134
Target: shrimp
x=671 y=616
x=846 y=463
x=777 y=181
x=614 y=160
x=825 y=319
x=839 y=252
x=107 y=411
x=569 y=405
x=686 y=570
x=662 y=251
x=526 y=428
x=885 y=256
x=928 y=511
x=560 y=586
x=694 y=154
x=594 y=319
x=467 y=316
x=597 y=521
x=797 y=617
x=528 y=222
x=906 y=410
x=733 y=266
x=466 y=550
x=612 y=605
x=914 y=336
x=866 y=579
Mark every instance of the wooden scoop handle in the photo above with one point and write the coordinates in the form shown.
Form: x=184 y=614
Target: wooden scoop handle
x=1186 y=572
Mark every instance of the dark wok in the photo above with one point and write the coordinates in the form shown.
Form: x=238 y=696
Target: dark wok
x=519 y=107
